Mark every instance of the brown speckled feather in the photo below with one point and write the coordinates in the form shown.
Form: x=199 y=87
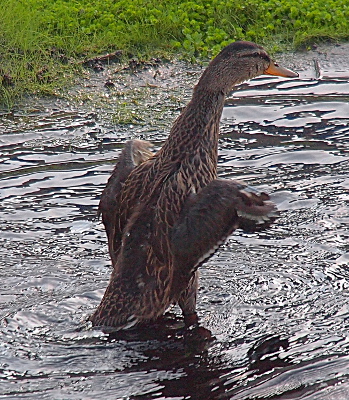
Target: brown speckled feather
x=133 y=154
x=171 y=212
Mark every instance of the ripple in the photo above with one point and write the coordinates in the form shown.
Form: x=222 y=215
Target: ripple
x=276 y=301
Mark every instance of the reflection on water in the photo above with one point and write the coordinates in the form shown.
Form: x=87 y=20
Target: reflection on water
x=276 y=302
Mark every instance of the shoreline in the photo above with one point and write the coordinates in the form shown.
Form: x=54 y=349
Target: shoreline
x=122 y=93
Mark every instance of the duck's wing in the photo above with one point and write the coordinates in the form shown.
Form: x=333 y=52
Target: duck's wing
x=211 y=215
x=137 y=290
x=133 y=154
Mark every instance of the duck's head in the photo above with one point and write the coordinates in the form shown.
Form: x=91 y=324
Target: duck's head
x=238 y=62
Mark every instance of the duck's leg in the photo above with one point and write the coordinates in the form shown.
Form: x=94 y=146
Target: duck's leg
x=194 y=333
x=207 y=219
x=187 y=301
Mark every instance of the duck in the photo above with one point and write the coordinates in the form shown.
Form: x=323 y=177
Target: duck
x=166 y=213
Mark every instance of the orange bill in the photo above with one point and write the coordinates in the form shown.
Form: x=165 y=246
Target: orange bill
x=275 y=69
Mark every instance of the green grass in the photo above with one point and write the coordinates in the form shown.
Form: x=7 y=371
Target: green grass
x=42 y=41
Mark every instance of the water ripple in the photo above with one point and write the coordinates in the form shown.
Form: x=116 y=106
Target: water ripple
x=276 y=301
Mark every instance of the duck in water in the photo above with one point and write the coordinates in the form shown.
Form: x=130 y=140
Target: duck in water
x=166 y=214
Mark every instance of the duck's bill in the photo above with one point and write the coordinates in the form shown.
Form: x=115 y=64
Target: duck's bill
x=276 y=70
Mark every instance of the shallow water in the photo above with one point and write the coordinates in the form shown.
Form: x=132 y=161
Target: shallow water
x=276 y=302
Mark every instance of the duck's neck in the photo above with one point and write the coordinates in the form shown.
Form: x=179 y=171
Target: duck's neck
x=197 y=128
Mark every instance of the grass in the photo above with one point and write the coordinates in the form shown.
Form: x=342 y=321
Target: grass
x=42 y=42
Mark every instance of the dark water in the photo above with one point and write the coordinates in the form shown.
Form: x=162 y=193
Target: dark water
x=276 y=302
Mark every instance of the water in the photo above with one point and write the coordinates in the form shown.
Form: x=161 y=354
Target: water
x=276 y=302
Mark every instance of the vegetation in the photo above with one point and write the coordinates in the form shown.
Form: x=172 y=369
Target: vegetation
x=42 y=41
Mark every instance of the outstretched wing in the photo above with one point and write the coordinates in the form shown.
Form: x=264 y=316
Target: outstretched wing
x=133 y=154
x=211 y=215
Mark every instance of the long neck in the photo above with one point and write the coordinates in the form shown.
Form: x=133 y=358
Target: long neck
x=197 y=127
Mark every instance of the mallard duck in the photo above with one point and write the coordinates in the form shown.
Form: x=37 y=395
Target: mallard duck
x=166 y=214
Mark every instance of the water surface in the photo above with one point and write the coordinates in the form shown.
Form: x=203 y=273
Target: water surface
x=276 y=302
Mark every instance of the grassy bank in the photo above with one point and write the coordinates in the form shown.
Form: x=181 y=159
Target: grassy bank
x=43 y=41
